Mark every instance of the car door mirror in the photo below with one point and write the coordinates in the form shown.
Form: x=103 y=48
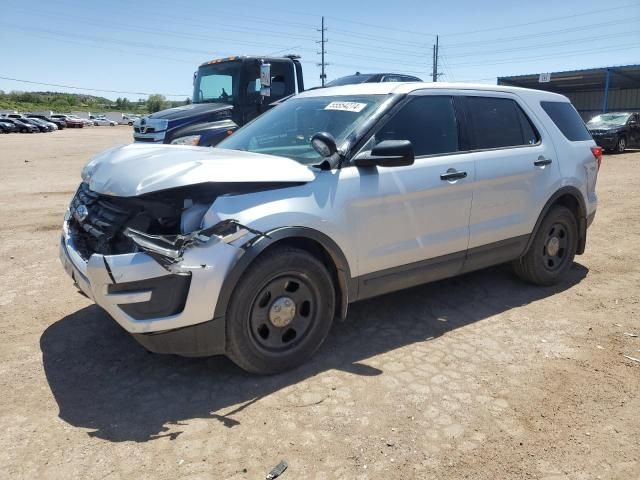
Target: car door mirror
x=388 y=153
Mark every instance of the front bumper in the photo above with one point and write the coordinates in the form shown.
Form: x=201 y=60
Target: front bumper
x=608 y=142
x=166 y=311
x=157 y=137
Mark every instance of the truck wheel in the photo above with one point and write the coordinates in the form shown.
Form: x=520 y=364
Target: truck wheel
x=551 y=254
x=280 y=312
x=621 y=145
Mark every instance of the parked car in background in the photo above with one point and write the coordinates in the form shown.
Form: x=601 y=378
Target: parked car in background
x=616 y=131
x=23 y=127
x=335 y=195
x=37 y=123
x=61 y=124
x=50 y=126
x=7 y=127
x=102 y=121
x=372 y=78
x=71 y=122
x=128 y=120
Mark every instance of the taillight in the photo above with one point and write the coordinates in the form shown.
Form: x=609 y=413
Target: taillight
x=597 y=153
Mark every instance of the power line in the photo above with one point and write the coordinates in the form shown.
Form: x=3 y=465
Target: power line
x=543 y=34
x=624 y=46
x=541 y=45
x=90 y=89
x=546 y=20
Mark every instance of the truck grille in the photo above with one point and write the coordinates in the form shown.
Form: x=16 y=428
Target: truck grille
x=147 y=130
x=96 y=223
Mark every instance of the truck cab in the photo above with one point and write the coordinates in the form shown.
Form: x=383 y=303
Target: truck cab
x=227 y=93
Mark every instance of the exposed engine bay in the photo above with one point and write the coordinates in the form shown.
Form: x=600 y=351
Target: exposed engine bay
x=161 y=223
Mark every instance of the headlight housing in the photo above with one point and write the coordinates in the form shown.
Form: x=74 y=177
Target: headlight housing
x=187 y=140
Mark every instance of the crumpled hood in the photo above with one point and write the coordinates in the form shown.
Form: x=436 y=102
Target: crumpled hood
x=137 y=169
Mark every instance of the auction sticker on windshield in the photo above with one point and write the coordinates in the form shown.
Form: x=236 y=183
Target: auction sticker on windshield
x=346 y=106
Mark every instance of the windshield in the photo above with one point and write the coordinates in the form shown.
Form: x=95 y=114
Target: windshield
x=609 y=118
x=217 y=83
x=286 y=130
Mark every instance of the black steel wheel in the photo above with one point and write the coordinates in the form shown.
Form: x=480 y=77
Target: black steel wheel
x=553 y=249
x=280 y=312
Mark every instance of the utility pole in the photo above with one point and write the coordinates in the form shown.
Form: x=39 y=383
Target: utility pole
x=322 y=52
x=434 y=72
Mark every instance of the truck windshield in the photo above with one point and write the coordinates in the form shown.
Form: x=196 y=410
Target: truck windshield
x=287 y=129
x=217 y=83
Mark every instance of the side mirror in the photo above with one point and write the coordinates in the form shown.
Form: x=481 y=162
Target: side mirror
x=388 y=153
x=265 y=79
x=324 y=144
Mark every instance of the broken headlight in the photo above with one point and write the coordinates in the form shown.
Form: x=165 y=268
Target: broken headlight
x=173 y=246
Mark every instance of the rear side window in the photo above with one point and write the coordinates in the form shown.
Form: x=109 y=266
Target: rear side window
x=428 y=122
x=499 y=122
x=567 y=120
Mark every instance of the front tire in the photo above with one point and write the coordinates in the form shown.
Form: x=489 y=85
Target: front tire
x=280 y=312
x=553 y=249
x=621 y=145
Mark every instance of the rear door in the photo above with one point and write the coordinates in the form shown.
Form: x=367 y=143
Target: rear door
x=516 y=167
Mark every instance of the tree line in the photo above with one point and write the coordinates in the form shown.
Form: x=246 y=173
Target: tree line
x=65 y=102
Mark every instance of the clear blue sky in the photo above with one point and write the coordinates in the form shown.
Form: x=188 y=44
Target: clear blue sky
x=154 y=46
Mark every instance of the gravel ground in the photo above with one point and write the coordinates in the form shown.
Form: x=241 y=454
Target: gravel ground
x=478 y=377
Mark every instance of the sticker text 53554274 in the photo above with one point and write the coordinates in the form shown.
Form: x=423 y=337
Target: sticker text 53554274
x=346 y=106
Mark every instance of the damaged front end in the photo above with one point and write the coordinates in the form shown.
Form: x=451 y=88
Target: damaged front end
x=155 y=263
x=163 y=225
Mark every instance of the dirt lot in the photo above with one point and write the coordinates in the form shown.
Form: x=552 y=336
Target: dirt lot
x=477 y=377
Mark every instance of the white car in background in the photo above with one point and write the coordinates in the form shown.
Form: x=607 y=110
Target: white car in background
x=101 y=121
x=251 y=249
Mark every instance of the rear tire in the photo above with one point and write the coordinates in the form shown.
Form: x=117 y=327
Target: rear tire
x=553 y=249
x=280 y=312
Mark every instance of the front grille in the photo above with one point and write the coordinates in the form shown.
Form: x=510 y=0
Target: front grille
x=99 y=228
x=148 y=130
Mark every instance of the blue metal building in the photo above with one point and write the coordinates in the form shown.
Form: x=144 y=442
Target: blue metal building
x=592 y=91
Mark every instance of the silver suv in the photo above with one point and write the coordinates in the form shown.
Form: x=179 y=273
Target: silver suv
x=339 y=194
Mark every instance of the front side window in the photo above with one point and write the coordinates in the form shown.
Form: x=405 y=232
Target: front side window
x=428 y=122
x=567 y=120
x=286 y=130
x=498 y=123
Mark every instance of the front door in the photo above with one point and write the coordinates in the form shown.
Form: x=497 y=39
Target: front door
x=634 y=131
x=412 y=222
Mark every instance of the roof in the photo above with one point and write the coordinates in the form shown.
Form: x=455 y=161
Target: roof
x=624 y=76
x=386 y=88
x=242 y=57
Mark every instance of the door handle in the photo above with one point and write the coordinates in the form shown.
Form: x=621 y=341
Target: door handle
x=541 y=162
x=452 y=174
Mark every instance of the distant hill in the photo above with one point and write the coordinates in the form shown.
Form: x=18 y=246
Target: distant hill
x=66 y=102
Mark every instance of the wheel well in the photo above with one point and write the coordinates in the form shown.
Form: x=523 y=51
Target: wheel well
x=569 y=201
x=316 y=249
